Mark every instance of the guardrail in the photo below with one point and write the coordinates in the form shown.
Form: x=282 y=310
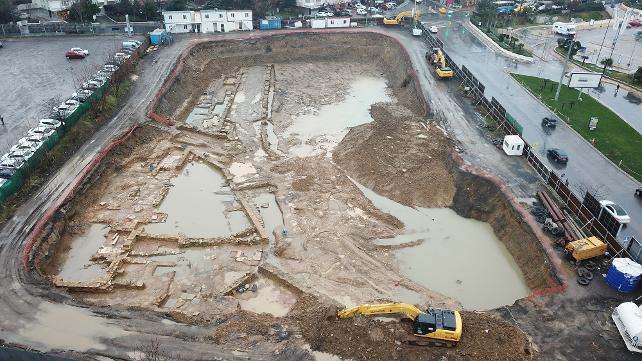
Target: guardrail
x=509 y=125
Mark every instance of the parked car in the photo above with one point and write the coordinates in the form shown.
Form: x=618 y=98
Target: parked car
x=360 y=6
x=377 y=16
x=131 y=44
x=80 y=50
x=6 y=173
x=35 y=138
x=323 y=14
x=391 y=4
x=24 y=144
x=1 y=44
x=50 y=123
x=74 y=55
x=65 y=110
x=11 y=163
x=549 y=122
x=558 y=155
x=82 y=95
x=379 y=2
x=72 y=103
x=345 y=12
x=362 y=11
x=635 y=23
x=374 y=10
x=110 y=68
x=23 y=154
x=46 y=132
x=433 y=29
x=616 y=211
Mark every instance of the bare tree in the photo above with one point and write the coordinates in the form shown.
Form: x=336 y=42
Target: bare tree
x=153 y=351
x=598 y=191
x=49 y=105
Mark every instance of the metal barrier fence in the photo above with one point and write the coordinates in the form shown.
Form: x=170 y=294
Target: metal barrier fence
x=75 y=28
x=509 y=125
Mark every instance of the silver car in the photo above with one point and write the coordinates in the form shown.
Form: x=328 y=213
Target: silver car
x=49 y=123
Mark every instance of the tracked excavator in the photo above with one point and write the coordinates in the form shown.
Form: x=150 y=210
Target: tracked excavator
x=399 y=18
x=435 y=327
x=438 y=59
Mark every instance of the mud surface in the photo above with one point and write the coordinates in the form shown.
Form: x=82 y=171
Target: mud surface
x=294 y=236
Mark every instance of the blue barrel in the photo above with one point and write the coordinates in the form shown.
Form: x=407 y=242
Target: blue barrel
x=624 y=275
x=269 y=23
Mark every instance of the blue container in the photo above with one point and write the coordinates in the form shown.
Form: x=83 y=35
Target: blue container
x=624 y=275
x=157 y=36
x=270 y=23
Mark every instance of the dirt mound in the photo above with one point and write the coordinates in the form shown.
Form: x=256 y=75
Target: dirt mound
x=485 y=337
x=398 y=148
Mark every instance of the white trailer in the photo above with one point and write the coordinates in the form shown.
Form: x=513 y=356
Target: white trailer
x=565 y=29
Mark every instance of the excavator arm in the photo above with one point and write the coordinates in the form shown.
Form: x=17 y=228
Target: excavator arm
x=400 y=17
x=408 y=310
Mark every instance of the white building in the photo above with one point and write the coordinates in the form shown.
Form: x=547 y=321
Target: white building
x=226 y=20
x=207 y=21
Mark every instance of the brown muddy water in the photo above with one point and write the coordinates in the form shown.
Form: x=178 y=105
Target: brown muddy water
x=331 y=123
x=458 y=257
x=269 y=297
x=196 y=205
x=77 y=264
x=58 y=326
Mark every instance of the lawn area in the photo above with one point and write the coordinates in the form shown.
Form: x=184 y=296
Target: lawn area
x=613 y=137
x=618 y=75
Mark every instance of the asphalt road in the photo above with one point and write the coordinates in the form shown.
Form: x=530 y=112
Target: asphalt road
x=34 y=70
x=586 y=167
x=627 y=53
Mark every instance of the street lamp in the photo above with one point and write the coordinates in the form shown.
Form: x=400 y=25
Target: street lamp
x=568 y=56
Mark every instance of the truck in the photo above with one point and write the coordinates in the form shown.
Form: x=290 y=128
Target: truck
x=565 y=29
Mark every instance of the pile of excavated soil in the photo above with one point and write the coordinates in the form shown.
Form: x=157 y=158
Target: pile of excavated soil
x=397 y=157
x=485 y=337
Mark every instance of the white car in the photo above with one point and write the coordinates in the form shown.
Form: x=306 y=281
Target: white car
x=23 y=154
x=361 y=11
x=374 y=10
x=379 y=2
x=49 y=123
x=12 y=163
x=360 y=6
x=35 y=138
x=616 y=211
x=72 y=103
x=323 y=14
x=377 y=16
x=391 y=5
x=82 y=95
x=110 y=67
x=46 y=132
x=65 y=110
x=433 y=29
x=24 y=144
x=80 y=50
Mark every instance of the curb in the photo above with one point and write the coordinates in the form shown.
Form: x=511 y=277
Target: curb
x=481 y=36
x=578 y=134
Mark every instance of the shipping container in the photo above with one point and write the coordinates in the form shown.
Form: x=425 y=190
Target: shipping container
x=269 y=23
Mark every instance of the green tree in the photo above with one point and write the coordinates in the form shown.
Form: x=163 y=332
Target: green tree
x=83 y=11
x=149 y=10
x=637 y=76
x=607 y=62
x=287 y=4
x=485 y=9
x=5 y=11
x=176 y=5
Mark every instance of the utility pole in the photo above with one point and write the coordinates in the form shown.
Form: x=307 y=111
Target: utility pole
x=568 y=56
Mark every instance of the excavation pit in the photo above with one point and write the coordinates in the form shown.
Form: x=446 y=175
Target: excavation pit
x=290 y=121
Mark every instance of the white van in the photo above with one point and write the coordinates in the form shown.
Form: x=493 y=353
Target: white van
x=131 y=44
x=564 y=28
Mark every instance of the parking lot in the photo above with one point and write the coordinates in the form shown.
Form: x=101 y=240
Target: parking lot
x=35 y=70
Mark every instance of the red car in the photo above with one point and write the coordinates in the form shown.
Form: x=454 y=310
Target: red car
x=74 y=55
x=635 y=23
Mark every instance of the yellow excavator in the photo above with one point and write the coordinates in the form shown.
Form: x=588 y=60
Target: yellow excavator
x=399 y=18
x=435 y=327
x=438 y=59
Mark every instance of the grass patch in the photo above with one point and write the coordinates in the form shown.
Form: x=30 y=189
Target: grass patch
x=72 y=140
x=617 y=75
x=617 y=140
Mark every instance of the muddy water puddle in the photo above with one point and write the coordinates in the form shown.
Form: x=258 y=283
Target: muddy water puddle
x=270 y=212
x=269 y=297
x=458 y=257
x=58 y=326
x=77 y=264
x=330 y=124
x=196 y=205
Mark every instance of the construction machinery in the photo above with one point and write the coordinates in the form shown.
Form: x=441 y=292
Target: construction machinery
x=435 y=327
x=438 y=59
x=399 y=18
x=585 y=248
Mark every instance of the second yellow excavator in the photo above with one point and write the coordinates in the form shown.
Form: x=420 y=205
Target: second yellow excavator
x=438 y=59
x=435 y=327
x=399 y=18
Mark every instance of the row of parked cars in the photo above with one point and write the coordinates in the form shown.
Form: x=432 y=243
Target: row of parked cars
x=361 y=9
x=36 y=137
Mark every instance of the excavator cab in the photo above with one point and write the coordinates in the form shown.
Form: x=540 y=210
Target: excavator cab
x=433 y=320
